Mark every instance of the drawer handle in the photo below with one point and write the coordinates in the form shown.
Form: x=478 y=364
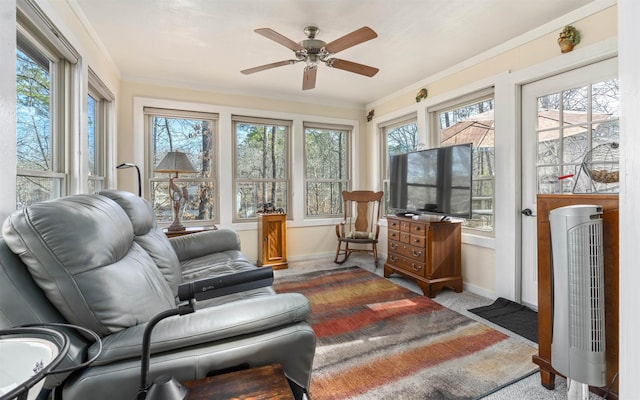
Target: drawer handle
x=393 y=234
x=416 y=240
x=393 y=258
x=416 y=267
x=416 y=253
x=393 y=246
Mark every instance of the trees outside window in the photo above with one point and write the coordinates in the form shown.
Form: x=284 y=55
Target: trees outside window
x=191 y=133
x=326 y=169
x=398 y=136
x=261 y=165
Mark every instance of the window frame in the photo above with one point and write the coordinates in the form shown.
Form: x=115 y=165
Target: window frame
x=384 y=128
x=148 y=113
x=102 y=130
x=265 y=121
x=37 y=37
x=458 y=103
x=346 y=181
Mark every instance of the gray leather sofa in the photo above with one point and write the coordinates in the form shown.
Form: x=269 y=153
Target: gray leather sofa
x=101 y=262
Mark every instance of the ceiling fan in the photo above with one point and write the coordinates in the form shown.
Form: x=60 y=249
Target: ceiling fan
x=313 y=51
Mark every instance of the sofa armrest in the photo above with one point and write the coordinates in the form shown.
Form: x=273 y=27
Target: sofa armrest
x=203 y=243
x=206 y=325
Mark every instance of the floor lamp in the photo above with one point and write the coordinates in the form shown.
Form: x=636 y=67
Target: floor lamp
x=176 y=162
x=131 y=165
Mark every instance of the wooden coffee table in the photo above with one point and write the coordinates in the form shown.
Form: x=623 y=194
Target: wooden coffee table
x=263 y=383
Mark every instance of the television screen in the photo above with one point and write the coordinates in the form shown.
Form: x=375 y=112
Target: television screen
x=434 y=181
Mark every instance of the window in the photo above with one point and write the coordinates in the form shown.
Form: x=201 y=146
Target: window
x=472 y=122
x=98 y=119
x=46 y=72
x=192 y=133
x=326 y=168
x=398 y=136
x=262 y=165
x=576 y=125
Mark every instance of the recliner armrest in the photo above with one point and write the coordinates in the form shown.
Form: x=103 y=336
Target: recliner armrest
x=206 y=325
x=203 y=243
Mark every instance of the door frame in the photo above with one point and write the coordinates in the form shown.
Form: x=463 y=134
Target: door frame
x=508 y=97
x=595 y=72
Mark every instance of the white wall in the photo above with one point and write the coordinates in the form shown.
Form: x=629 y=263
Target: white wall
x=7 y=107
x=629 y=72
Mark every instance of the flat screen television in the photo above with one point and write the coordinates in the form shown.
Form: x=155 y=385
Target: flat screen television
x=434 y=181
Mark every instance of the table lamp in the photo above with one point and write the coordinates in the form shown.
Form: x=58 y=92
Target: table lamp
x=176 y=162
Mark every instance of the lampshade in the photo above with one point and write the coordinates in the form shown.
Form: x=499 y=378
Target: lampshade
x=175 y=162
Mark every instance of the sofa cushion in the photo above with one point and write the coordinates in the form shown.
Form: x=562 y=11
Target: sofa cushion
x=80 y=252
x=148 y=235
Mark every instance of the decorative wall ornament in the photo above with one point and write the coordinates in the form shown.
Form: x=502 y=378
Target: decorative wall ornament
x=569 y=37
x=422 y=94
x=370 y=115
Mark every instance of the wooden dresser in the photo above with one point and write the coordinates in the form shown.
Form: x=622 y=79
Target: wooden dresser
x=609 y=204
x=428 y=252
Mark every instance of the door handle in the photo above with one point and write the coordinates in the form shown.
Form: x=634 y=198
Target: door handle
x=528 y=213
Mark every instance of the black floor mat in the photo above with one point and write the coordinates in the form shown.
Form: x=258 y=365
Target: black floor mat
x=512 y=316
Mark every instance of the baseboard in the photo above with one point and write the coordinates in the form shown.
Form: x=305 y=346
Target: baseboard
x=479 y=291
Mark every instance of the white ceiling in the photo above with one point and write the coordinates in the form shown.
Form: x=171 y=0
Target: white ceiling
x=206 y=43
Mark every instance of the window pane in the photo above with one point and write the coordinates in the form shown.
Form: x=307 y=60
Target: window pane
x=251 y=196
x=585 y=117
x=91 y=132
x=326 y=158
x=261 y=167
x=402 y=139
x=33 y=131
x=474 y=123
x=36 y=189
x=194 y=137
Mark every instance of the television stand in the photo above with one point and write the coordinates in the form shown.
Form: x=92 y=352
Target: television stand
x=427 y=252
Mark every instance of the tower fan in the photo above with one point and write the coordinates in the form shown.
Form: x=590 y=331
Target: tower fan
x=578 y=340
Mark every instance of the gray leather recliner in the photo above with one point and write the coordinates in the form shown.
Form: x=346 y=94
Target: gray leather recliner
x=101 y=262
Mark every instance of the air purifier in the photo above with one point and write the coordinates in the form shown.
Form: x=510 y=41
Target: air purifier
x=578 y=339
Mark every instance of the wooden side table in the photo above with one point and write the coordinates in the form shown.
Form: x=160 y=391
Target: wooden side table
x=189 y=230
x=272 y=240
x=263 y=383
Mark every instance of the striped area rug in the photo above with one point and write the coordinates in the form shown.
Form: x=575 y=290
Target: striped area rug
x=378 y=340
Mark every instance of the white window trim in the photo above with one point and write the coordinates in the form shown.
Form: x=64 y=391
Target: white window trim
x=225 y=155
x=348 y=131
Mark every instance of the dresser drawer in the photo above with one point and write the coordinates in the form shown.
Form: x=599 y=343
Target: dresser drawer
x=394 y=235
x=418 y=229
x=405 y=237
x=394 y=224
x=407 y=264
x=405 y=226
x=413 y=252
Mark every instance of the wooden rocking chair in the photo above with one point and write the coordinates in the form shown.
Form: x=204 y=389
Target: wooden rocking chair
x=360 y=224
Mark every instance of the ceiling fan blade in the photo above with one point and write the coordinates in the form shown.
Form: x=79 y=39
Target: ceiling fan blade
x=352 y=67
x=268 y=66
x=276 y=37
x=351 y=39
x=309 y=77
